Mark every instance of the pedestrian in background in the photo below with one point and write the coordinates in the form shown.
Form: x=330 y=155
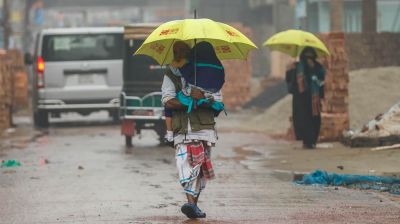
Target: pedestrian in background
x=310 y=76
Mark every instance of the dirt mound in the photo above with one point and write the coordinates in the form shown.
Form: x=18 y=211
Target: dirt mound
x=372 y=92
x=275 y=119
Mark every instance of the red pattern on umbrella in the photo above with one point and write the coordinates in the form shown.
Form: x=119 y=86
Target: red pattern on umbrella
x=159 y=48
x=169 y=31
x=223 y=49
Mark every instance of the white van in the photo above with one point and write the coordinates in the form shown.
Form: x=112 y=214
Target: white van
x=77 y=70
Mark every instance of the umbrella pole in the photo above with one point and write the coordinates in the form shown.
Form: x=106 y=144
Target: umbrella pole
x=195 y=55
x=195 y=62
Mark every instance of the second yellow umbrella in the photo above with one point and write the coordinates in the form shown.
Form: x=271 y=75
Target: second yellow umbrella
x=292 y=42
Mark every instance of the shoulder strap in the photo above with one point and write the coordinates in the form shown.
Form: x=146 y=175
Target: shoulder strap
x=175 y=79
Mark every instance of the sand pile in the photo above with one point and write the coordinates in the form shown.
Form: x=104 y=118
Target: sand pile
x=372 y=92
x=275 y=119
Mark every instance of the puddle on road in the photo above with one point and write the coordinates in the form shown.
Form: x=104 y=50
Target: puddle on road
x=246 y=151
x=20 y=139
x=165 y=161
x=241 y=154
x=250 y=156
x=286 y=175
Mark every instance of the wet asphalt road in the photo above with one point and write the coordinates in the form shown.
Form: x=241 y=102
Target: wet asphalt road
x=80 y=173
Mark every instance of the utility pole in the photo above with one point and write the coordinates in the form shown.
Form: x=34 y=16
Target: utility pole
x=27 y=25
x=336 y=15
x=6 y=23
x=369 y=16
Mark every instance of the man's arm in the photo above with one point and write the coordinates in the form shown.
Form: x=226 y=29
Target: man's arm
x=169 y=95
x=174 y=104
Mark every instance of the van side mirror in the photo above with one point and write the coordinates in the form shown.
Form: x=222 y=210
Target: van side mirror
x=28 y=59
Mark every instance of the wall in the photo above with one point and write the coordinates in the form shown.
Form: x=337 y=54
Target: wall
x=317 y=17
x=238 y=73
x=372 y=50
x=279 y=64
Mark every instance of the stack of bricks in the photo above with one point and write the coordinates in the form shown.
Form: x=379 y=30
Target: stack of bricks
x=236 y=90
x=335 y=113
x=20 y=79
x=13 y=86
x=6 y=96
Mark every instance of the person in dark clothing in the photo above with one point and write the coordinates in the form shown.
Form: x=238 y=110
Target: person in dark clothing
x=310 y=76
x=204 y=70
x=297 y=104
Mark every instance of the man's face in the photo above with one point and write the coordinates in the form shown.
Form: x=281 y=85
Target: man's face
x=181 y=50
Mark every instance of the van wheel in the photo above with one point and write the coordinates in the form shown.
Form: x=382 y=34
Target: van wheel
x=128 y=141
x=41 y=119
x=161 y=135
x=115 y=116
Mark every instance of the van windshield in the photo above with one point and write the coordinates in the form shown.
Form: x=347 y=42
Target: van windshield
x=82 y=47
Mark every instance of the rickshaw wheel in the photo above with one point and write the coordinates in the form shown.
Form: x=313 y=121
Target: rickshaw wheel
x=128 y=141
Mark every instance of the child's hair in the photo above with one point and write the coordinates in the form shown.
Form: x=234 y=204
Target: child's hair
x=180 y=50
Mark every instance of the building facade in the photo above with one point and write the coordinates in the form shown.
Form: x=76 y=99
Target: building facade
x=314 y=15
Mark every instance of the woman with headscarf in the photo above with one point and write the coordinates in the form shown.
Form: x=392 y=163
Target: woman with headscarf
x=310 y=76
x=204 y=70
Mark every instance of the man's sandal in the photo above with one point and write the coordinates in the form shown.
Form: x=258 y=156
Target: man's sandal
x=189 y=210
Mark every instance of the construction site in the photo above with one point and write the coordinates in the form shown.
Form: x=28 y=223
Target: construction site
x=65 y=159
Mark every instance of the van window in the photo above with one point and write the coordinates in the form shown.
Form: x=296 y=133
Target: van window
x=82 y=47
x=140 y=67
x=142 y=74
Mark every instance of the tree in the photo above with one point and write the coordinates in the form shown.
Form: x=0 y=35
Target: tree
x=336 y=15
x=5 y=23
x=369 y=16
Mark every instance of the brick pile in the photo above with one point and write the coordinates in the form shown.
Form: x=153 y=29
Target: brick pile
x=20 y=90
x=335 y=113
x=6 y=96
x=236 y=90
x=20 y=79
x=13 y=86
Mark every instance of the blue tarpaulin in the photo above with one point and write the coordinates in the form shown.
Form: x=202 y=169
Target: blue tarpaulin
x=324 y=178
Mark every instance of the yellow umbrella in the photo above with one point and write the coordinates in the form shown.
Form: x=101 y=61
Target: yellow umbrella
x=228 y=42
x=292 y=42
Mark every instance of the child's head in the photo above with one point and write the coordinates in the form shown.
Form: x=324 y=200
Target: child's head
x=181 y=50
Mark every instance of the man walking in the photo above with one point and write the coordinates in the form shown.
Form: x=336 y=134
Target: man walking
x=194 y=135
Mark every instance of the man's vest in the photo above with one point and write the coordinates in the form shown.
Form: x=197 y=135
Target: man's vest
x=200 y=118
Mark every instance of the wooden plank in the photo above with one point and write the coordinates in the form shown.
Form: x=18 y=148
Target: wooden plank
x=395 y=146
